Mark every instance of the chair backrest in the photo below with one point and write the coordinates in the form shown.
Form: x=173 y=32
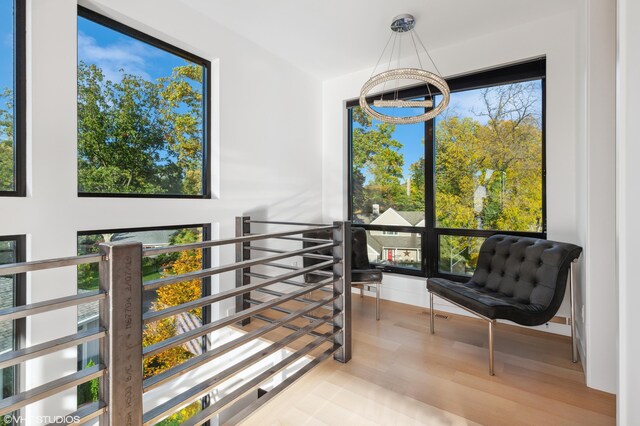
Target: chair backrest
x=529 y=270
x=359 y=252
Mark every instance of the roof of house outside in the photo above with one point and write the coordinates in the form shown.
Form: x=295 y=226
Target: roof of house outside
x=413 y=218
x=158 y=237
x=87 y=312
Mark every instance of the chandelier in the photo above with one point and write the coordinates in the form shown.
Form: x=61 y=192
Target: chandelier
x=405 y=24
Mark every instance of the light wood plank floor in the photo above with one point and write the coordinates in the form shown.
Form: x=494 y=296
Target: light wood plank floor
x=402 y=375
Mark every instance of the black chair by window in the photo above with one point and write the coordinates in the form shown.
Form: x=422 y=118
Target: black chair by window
x=362 y=273
x=518 y=279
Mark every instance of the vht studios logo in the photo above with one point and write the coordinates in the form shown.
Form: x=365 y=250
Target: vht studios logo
x=11 y=419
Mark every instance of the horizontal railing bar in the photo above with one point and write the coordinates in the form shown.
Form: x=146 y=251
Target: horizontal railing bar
x=38 y=265
x=309 y=255
x=210 y=411
x=278 y=308
x=43 y=391
x=238 y=418
x=195 y=362
x=212 y=326
x=87 y=412
x=289 y=282
x=23 y=311
x=207 y=300
x=21 y=355
x=155 y=284
x=168 y=407
x=302 y=239
x=282 y=266
x=279 y=293
x=235 y=240
x=267 y=222
x=287 y=326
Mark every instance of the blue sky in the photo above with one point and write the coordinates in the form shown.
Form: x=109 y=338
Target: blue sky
x=462 y=104
x=6 y=44
x=102 y=46
x=113 y=51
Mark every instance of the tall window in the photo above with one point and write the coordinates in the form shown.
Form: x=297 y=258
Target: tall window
x=12 y=250
x=12 y=97
x=430 y=193
x=143 y=115
x=153 y=300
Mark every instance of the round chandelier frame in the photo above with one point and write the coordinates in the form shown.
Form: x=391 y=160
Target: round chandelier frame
x=405 y=74
x=405 y=23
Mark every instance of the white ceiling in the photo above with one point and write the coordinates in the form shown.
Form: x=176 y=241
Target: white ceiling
x=329 y=38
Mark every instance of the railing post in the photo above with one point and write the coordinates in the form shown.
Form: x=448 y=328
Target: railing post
x=342 y=287
x=243 y=227
x=121 y=351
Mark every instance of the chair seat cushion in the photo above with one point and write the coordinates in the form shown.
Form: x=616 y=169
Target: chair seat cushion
x=491 y=304
x=366 y=275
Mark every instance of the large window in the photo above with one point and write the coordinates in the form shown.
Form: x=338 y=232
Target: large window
x=430 y=193
x=175 y=294
x=143 y=115
x=12 y=97
x=12 y=293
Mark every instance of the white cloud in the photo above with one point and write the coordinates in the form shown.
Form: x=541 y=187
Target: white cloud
x=7 y=40
x=130 y=56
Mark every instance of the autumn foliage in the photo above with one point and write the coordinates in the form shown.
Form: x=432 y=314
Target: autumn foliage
x=167 y=296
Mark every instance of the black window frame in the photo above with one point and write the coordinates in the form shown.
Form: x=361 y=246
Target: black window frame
x=20 y=101
x=534 y=69
x=19 y=299
x=206 y=264
x=207 y=184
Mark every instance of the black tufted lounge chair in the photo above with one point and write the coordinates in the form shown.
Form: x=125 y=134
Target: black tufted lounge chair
x=362 y=274
x=518 y=279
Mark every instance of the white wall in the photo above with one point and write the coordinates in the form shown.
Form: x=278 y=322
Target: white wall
x=561 y=39
x=597 y=193
x=628 y=203
x=266 y=142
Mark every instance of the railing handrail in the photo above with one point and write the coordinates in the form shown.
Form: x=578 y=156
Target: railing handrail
x=152 y=251
x=39 y=265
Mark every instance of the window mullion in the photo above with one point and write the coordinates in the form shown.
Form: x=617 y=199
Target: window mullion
x=430 y=244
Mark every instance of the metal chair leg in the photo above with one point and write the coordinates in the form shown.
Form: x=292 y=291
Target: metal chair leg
x=491 y=324
x=574 y=343
x=432 y=314
x=377 y=302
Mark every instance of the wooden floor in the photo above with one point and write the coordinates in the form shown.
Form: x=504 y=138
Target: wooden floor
x=402 y=375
